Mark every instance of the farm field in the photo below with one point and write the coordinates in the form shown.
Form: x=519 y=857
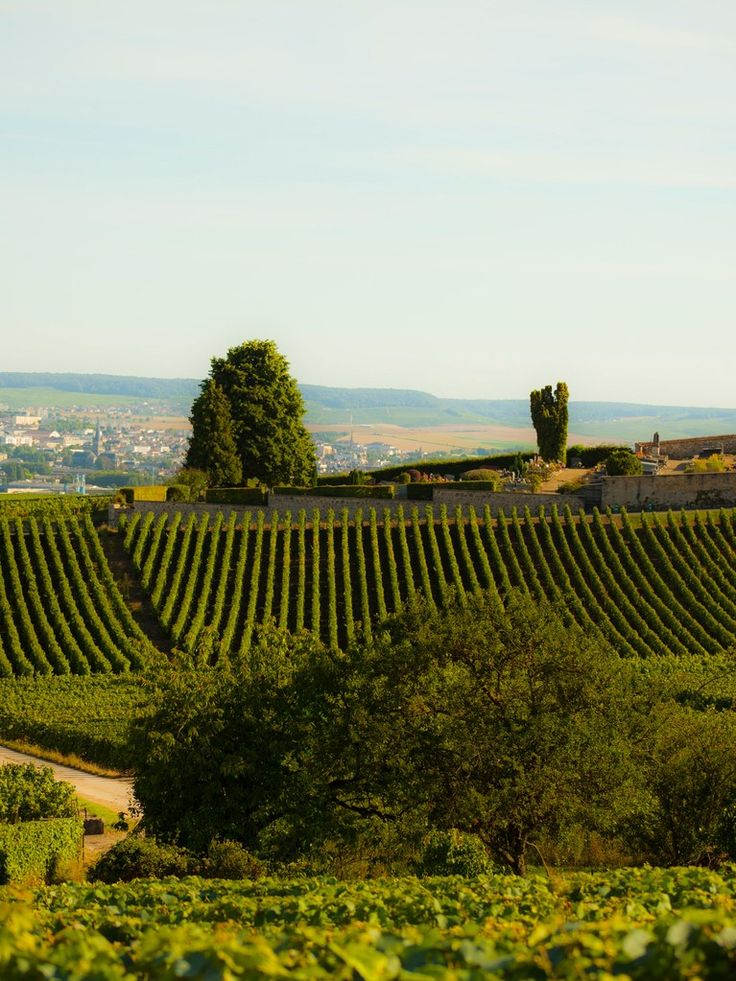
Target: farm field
x=638 y=923
x=653 y=585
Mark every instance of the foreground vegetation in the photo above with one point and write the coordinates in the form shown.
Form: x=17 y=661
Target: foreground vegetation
x=639 y=923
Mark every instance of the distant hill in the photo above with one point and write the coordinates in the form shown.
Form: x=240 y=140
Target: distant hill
x=403 y=407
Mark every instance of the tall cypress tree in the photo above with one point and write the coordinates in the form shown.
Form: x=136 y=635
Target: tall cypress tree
x=549 y=416
x=211 y=445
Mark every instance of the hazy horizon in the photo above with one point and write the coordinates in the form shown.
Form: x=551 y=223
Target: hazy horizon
x=470 y=199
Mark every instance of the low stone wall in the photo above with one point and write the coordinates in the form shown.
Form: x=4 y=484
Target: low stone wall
x=686 y=449
x=506 y=500
x=703 y=490
x=443 y=494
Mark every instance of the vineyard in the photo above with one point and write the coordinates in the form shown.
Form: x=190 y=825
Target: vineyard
x=663 y=585
x=61 y=611
x=651 y=584
x=634 y=923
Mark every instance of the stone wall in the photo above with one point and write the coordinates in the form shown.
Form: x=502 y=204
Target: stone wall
x=443 y=494
x=704 y=490
x=686 y=449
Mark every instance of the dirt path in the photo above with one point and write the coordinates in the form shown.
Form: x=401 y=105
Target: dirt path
x=112 y=792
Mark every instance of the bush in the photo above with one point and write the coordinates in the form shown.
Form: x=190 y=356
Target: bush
x=29 y=793
x=243 y=496
x=484 y=474
x=591 y=456
x=34 y=849
x=454 y=852
x=229 y=860
x=623 y=462
x=177 y=492
x=136 y=857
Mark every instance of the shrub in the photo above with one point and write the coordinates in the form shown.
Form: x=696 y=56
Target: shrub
x=472 y=485
x=454 y=852
x=590 y=456
x=229 y=860
x=136 y=857
x=623 y=462
x=177 y=492
x=483 y=474
x=29 y=793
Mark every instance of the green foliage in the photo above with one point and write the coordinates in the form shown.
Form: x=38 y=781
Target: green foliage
x=144 y=492
x=299 y=746
x=623 y=462
x=212 y=444
x=229 y=860
x=87 y=716
x=643 y=924
x=691 y=772
x=455 y=467
x=590 y=456
x=715 y=463
x=266 y=409
x=29 y=793
x=484 y=474
x=453 y=852
x=136 y=857
x=35 y=849
x=196 y=482
x=54 y=506
x=549 y=418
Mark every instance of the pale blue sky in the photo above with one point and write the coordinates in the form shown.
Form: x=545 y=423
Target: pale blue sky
x=471 y=198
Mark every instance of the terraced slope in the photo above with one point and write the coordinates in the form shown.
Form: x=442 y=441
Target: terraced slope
x=664 y=586
x=60 y=609
x=653 y=585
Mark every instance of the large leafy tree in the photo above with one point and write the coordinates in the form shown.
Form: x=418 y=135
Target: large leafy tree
x=266 y=409
x=489 y=721
x=212 y=445
x=549 y=417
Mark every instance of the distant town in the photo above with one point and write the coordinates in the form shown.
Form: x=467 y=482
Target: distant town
x=80 y=450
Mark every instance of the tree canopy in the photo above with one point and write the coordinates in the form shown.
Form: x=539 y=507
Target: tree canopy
x=480 y=719
x=265 y=434
x=212 y=445
x=549 y=417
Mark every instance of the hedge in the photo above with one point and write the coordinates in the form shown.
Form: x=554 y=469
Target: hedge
x=146 y=492
x=589 y=456
x=34 y=849
x=455 y=467
x=383 y=492
x=235 y=495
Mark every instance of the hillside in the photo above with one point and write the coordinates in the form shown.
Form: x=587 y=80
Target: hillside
x=328 y=406
x=651 y=585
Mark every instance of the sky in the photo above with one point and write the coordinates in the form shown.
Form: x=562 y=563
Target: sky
x=469 y=198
